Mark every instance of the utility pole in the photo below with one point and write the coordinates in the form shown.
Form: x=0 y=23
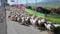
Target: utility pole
x=3 y=25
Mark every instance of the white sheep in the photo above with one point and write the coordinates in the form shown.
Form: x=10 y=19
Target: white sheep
x=12 y=16
x=19 y=19
x=42 y=20
x=50 y=27
x=23 y=20
x=34 y=21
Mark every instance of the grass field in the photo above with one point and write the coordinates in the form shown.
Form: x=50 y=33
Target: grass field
x=52 y=18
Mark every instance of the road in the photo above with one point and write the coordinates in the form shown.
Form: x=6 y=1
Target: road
x=15 y=28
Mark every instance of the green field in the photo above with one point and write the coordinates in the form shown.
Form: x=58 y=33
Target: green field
x=54 y=18
x=50 y=17
x=35 y=13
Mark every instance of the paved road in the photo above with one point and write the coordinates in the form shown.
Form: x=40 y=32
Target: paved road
x=15 y=28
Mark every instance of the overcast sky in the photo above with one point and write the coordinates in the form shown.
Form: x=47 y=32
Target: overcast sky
x=23 y=1
x=30 y=1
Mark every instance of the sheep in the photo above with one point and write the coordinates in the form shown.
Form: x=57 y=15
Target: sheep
x=19 y=18
x=40 y=23
x=27 y=20
x=34 y=21
x=57 y=28
x=50 y=27
x=10 y=14
x=16 y=16
x=12 y=17
x=31 y=19
x=56 y=25
x=43 y=20
x=26 y=17
x=23 y=21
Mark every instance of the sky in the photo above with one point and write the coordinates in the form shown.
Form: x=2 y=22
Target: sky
x=29 y=1
x=23 y=1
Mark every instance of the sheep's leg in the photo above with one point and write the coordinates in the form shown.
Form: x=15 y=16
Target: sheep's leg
x=9 y=16
x=23 y=23
x=12 y=18
x=15 y=18
x=34 y=26
x=50 y=32
x=20 y=20
x=26 y=24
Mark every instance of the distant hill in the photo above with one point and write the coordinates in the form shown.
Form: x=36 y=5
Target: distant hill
x=46 y=4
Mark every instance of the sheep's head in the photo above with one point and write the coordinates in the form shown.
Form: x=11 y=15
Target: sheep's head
x=43 y=20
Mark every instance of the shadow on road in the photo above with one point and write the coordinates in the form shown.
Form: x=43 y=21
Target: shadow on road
x=41 y=29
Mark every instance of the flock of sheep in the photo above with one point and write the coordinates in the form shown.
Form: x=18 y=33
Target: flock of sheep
x=27 y=19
